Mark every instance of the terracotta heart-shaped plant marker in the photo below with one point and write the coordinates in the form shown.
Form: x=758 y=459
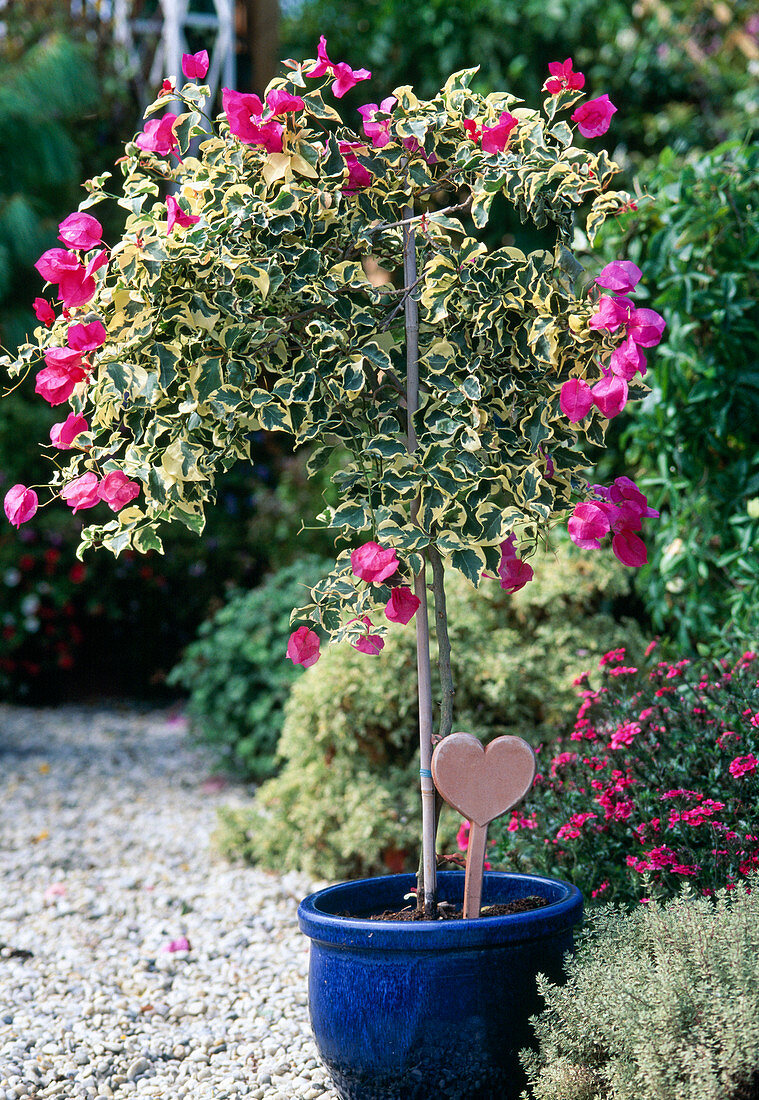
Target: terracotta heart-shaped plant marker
x=481 y=783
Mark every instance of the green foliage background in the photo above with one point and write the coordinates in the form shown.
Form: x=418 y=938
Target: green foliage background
x=694 y=443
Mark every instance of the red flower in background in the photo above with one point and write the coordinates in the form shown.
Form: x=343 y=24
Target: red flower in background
x=743 y=765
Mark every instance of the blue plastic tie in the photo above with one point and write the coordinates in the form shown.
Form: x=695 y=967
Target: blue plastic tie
x=425 y=773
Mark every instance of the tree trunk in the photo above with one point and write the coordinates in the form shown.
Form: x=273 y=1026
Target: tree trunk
x=427 y=880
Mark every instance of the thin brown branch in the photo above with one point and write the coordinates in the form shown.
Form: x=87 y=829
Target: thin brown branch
x=407 y=291
x=414 y=218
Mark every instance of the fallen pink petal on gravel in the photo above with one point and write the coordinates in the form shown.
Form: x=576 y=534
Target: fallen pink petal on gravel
x=179 y=944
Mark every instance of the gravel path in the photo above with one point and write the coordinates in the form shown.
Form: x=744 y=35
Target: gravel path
x=104 y=861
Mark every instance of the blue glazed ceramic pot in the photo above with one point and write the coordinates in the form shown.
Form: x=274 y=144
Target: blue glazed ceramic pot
x=431 y=1010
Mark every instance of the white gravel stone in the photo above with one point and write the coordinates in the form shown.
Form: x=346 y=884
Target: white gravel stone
x=104 y=860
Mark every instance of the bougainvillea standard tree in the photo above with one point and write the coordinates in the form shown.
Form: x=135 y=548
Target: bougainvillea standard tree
x=464 y=389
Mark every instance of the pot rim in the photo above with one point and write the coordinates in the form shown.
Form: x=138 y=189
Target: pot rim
x=320 y=922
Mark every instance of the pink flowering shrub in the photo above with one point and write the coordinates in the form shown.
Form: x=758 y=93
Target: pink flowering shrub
x=240 y=301
x=655 y=784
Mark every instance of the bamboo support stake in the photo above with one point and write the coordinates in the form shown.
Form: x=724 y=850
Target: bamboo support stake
x=424 y=672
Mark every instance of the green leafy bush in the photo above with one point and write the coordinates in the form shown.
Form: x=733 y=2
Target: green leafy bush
x=660 y=1004
x=697 y=240
x=656 y=783
x=346 y=801
x=235 y=671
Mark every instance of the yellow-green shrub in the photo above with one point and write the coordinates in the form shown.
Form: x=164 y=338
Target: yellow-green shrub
x=660 y=1004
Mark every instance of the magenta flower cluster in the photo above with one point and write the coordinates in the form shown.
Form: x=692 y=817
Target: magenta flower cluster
x=640 y=328
x=256 y=123
x=656 y=782
x=375 y=565
x=513 y=572
x=618 y=510
x=622 y=506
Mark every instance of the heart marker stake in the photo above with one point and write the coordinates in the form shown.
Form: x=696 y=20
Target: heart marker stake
x=481 y=783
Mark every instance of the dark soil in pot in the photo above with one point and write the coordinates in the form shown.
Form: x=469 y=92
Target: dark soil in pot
x=446 y=911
